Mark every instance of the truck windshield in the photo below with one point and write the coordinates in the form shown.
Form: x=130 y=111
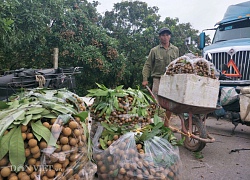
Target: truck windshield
x=236 y=30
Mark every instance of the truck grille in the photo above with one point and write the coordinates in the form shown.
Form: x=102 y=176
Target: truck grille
x=240 y=58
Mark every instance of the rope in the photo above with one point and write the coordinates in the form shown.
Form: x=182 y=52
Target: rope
x=41 y=80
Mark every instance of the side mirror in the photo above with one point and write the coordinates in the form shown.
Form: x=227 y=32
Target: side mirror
x=202 y=40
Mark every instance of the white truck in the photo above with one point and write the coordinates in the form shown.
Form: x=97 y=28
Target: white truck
x=231 y=45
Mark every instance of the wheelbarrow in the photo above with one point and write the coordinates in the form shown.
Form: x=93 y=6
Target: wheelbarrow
x=192 y=127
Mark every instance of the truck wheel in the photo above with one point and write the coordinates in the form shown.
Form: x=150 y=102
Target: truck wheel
x=198 y=129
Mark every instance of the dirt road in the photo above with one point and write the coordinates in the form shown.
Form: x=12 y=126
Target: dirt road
x=219 y=161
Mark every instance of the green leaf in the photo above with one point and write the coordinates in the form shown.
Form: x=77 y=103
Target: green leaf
x=142 y=112
x=106 y=138
x=105 y=125
x=3 y=105
x=45 y=112
x=148 y=135
x=14 y=104
x=110 y=137
x=108 y=111
x=6 y=112
x=97 y=93
x=25 y=101
x=27 y=119
x=50 y=116
x=36 y=116
x=35 y=110
x=115 y=173
x=101 y=86
x=107 y=132
x=64 y=110
x=4 y=143
x=8 y=120
x=83 y=115
x=40 y=130
x=116 y=103
x=103 y=110
x=198 y=155
x=158 y=126
x=21 y=117
x=16 y=148
x=65 y=118
x=37 y=136
x=103 y=144
x=101 y=106
x=114 y=128
x=157 y=119
x=47 y=104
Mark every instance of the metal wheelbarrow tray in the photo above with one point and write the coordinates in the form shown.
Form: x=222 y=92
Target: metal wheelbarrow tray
x=179 y=108
x=192 y=94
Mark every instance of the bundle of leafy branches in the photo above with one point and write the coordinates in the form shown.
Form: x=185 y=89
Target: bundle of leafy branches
x=111 y=133
x=43 y=135
x=122 y=107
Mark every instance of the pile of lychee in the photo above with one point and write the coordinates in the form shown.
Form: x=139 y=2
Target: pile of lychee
x=126 y=159
x=63 y=161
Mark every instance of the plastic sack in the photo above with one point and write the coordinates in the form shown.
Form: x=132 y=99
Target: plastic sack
x=121 y=160
x=88 y=171
x=245 y=107
x=203 y=67
x=245 y=90
x=228 y=95
x=190 y=64
x=180 y=65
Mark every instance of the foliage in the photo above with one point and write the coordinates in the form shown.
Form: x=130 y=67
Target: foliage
x=107 y=100
x=134 y=25
x=40 y=26
x=111 y=49
x=156 y=128
x=198 y=155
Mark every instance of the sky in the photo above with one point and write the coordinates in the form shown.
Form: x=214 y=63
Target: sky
x=201 y=14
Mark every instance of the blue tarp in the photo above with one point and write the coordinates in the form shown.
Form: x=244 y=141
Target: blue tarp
x=235 y=12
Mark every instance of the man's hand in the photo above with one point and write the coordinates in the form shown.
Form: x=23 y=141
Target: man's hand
x=144 y=83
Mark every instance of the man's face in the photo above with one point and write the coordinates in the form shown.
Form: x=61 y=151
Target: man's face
x=165 y=38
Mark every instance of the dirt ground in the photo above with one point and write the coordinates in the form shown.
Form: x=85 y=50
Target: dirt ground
x=228 y=158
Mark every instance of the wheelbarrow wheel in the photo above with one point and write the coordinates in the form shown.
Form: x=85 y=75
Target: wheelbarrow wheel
x=198 y=129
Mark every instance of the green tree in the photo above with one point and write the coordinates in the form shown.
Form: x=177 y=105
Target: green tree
x=39 y=26
x=133 y=24
x=111 y=49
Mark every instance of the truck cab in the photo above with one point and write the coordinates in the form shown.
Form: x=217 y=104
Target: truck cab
x=231 y=45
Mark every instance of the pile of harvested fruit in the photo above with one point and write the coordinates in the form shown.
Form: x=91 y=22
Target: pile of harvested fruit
x=121 y=107
x=131 y=141
x=180 y=66
x=185 y=65
x=43 y=136
x=146 y=153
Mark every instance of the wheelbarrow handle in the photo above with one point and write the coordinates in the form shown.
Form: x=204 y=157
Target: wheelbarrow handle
x=151 y=93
